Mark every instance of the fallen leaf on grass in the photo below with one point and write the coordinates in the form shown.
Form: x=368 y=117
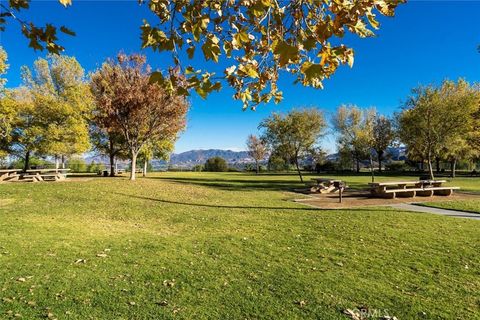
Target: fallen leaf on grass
x=301 y=303
x=101 y=255
x=169 y=283
x=80 y=261
x=162 y=303
x=50 y=316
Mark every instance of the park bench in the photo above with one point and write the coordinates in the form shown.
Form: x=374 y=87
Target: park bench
x=38 y=175
x=424 y=188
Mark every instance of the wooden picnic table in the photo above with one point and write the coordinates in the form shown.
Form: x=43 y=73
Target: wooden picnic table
x=411 y=188
x=36 y=175
x=326 y=185
x=9 y=174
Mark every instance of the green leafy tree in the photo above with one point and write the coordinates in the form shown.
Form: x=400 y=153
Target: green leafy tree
x=257 y=150
x=63 y=103
x=143 y=111
x=456 y=149
x=94 y=167
x=215 y=164
x=277 y=162
x=433 y=118
x=3 y=68
x=294 y=134
x=161 y=150
x=355 y=132
x=383 y=137
x=28 y=127
x=77 y=164
x=7 y=108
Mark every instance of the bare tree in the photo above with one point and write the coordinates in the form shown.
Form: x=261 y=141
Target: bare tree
x=257 y=149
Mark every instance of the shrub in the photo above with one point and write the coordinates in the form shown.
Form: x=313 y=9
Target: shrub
x=94 y=167
x=396 y=166
x=327 y=166
x=216 y=164
x=77 y=164
x=277 y=164
x=197 y=168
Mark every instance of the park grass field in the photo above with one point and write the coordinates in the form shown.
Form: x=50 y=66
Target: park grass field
x=226 y=246
x=464 y=205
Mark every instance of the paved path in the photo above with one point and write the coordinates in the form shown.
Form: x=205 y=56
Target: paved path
x=444 y=212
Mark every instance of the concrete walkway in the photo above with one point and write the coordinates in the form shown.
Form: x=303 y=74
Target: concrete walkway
x=444 y=212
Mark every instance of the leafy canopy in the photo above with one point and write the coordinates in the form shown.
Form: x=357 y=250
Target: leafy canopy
x=63 y=102
x=295 y=134
x=259 y=39
x=355 y=130
x=435 y=120
x=41 y=38
x=141 y=111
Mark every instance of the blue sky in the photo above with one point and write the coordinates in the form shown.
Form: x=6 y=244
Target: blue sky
x=426 y=42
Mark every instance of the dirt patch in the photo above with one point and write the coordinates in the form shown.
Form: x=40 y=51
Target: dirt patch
x=354 y=199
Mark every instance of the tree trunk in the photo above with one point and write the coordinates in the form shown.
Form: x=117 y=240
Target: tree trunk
x=112 y=158
x=63 y=162
x=26 y=165
x=371 y=168
x=437 y=164
x=257 y=167
x=430 y=167
x=112 y=165
x=453 y=167
x=133 y=165
x=380 y=156
x=298 y=169
x=145 y=166
x=358 y=165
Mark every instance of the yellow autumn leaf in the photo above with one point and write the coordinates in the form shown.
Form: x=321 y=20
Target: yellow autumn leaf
x=66 y=2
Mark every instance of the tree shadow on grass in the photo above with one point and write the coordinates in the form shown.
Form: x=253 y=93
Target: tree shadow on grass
x=238 y=184
x=244 y=207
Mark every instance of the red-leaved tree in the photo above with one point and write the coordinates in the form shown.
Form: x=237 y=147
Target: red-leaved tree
x=142 y=111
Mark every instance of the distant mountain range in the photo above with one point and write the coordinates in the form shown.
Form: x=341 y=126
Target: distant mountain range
x=188 y=159
x=200 y=156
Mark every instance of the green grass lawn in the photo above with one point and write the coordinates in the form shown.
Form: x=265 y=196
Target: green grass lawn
x=463 y=205
x=225 y=246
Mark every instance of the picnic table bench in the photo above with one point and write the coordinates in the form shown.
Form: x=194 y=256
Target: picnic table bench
x=9 y=174
x=37 y=175
x=424 y=188
x=324 y=185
